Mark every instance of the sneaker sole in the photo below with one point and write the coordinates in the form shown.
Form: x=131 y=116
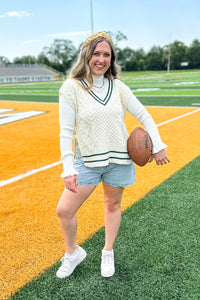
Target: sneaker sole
x=107 y=275
x=82 y=256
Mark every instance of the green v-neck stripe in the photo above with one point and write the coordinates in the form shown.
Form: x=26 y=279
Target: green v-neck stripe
x=97 y=98
x=108 y=95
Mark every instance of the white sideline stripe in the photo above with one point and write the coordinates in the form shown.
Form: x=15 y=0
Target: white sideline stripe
x=161 y=96
x=179 y=117
x=29 y=173
x=21 y=94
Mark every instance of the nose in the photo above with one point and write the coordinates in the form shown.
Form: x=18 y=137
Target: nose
x=101 y=58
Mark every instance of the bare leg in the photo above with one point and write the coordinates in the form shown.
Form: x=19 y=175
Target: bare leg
x=67 y=207
x=112 y=200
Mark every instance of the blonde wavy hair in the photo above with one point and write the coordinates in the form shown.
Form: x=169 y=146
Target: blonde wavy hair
x=81 y=69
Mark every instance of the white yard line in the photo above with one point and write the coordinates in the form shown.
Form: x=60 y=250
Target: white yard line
x=29 y=173
x=21 y=94
x=179 y=117
x=142 y=95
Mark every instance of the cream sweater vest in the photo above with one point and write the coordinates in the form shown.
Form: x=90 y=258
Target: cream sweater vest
x=100 y=130
x=96 y=120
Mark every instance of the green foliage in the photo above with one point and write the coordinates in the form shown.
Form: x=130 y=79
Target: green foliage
x=27 y=59
x=193 y=54
x=155 y=59
x=61 y=54
x=178 y=54
x=117 y=37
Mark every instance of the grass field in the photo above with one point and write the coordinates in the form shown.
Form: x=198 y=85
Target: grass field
x=157 y=249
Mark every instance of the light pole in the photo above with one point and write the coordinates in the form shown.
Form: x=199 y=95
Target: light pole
x=168 y=64
x=91 y=11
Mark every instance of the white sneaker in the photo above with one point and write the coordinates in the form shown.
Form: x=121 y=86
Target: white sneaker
x=107 y=263
x=70 y=263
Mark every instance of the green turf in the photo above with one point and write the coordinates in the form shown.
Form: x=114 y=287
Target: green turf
x=169 y=101
x=157 y=250
x=34 y=98
x=32 y=86
x=177 y=88
x=171 y=92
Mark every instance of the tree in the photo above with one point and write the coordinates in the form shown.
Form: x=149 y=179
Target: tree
x=117 y=37
x=154 y=59
x=27 y=60
x=124 y=56
x=178 y=54
x=61 y=53
x=4 y=60
x=43 y=60
x=140 y=57
x=131 y=65
x=193 y=54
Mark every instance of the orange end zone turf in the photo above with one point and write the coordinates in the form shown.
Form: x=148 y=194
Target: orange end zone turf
x=30 y=237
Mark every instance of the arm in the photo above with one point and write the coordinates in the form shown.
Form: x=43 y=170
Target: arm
x=141 y=114
x=67 y=123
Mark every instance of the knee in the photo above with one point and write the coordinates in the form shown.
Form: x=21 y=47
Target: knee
x=112 y=205
x=62 y=212
x=59 y=211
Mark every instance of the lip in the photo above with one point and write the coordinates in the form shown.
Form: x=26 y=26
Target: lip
x=99 y=66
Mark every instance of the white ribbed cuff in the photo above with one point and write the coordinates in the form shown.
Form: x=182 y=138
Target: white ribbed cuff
x=69 y=172
x=156 y=149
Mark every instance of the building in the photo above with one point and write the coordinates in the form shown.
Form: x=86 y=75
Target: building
x=27 y=73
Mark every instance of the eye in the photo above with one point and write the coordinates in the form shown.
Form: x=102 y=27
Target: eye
x=107 y=54
x=96 y=53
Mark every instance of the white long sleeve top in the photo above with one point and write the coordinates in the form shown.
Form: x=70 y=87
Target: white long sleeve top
x=96 y=119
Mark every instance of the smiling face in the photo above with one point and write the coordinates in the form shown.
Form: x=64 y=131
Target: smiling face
x=101 y=59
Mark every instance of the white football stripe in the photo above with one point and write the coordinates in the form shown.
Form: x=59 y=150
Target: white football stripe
x=18 y=116
x=29 y=173
x=179 y=117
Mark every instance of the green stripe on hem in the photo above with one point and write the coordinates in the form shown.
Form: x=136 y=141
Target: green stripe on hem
x=112 y=157
x=105 y=153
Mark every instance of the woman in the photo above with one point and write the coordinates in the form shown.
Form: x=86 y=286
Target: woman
x=92 y=106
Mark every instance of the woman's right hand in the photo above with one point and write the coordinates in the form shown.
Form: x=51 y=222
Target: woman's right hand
x=71 y=183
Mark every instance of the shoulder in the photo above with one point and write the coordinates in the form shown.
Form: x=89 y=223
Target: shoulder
x=122 y=87
x=69 y=84
x=70 y=91
x=120 y=84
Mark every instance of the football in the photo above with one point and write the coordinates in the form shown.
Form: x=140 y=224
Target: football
x=139 y=146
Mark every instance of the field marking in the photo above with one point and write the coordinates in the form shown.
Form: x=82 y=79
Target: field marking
x=21 y=94
x=189 y=96
x=30 y=218
x=179 y=117
x=18 y=116
x=29 y=173
x=24 y=101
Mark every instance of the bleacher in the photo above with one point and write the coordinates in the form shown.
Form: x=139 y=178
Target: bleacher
x=27 y=73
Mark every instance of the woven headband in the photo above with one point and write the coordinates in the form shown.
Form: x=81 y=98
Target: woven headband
x=96 y=35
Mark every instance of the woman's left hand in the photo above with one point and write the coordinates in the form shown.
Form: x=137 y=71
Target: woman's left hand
x=160 y=157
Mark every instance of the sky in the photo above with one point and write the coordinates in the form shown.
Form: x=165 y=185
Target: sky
x=27 y=26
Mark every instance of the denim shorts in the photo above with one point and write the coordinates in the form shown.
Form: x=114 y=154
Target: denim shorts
x=112 y=174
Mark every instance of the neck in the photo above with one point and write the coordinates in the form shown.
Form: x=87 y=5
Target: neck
x=98 y=81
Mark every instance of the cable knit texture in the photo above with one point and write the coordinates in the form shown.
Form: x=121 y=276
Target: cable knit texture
x=100 y=130
x=96 y=120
